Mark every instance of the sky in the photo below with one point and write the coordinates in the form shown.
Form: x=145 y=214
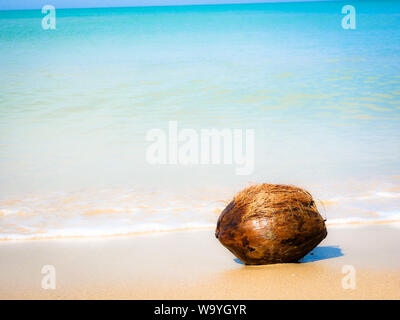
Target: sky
x=37 y=4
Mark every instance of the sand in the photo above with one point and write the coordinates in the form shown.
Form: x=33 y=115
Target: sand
x=193 y=265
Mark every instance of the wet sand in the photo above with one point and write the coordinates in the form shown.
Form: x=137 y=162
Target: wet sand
x=193 y=265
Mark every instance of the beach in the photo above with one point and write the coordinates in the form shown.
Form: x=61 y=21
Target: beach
x=124 y=133
x=193 y=265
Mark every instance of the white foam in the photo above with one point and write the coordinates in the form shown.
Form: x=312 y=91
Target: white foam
x=106 y=232
x=108 y=212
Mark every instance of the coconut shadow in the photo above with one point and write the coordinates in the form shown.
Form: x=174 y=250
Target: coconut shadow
x=317 y=254
x=322 y=253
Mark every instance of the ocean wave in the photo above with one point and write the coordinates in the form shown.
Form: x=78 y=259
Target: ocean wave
x=113 y=212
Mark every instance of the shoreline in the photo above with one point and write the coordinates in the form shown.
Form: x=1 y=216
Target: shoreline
x=194 y=265
x=356 y=223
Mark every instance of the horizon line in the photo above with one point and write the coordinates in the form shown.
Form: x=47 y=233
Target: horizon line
x=178 y=4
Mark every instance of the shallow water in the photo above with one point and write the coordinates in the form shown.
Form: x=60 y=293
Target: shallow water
x=76 y=104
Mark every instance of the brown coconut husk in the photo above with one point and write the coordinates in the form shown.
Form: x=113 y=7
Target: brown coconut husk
x=271 y=223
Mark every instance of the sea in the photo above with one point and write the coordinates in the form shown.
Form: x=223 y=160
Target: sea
x=77 y=103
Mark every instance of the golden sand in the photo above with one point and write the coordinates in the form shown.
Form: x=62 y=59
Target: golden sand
x=193 y=265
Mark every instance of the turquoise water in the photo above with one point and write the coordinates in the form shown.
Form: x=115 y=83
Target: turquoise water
x=76 y=103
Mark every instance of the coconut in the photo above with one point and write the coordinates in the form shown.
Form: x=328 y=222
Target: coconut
x=271 y=223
